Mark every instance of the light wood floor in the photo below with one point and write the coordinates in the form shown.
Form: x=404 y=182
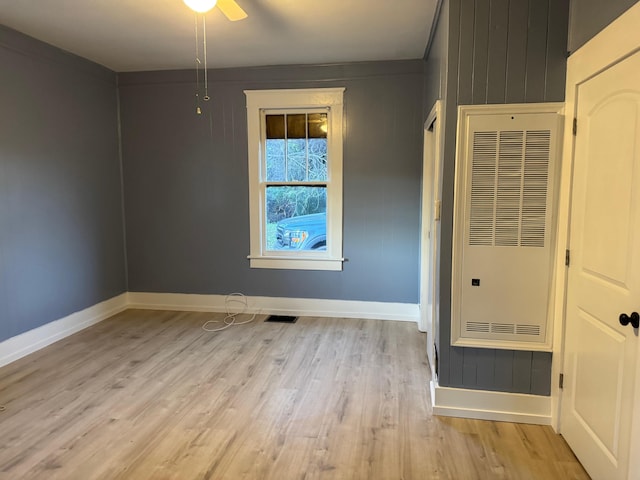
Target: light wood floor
x=150 y=395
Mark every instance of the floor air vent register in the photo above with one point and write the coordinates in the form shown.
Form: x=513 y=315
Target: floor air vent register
x=281 y=319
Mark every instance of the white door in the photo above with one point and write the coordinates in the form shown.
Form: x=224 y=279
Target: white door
x=604 y=274
x=430 y=235
x=426 y=244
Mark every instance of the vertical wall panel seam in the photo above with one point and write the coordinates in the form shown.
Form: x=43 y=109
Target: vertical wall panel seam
x=546 y=50
x=459 y=57
x=494 y=380
x=473 y=56
x=506 y=59
x=450 y=116
x=530 y=370
x=489 y=27
x=122 y=196
x=526 y=49
x=453 y=107
x=5 y=320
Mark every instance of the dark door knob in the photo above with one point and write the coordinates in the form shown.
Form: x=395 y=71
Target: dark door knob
x=634 y=320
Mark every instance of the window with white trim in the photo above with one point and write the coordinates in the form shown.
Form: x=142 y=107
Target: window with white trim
x=295 y=178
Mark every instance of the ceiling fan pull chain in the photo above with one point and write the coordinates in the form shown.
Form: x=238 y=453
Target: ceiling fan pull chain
x=204 y=46
x=198 y=110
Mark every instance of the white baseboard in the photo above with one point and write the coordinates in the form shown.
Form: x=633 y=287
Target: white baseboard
x=489 y=405
x=22 y=345
x=310 y=307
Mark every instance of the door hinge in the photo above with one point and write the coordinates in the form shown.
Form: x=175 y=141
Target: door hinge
x=438 y=208
x=561 y=382
x=567 y=257
x=575 y=126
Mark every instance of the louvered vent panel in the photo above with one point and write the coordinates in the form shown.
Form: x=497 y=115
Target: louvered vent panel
x=534 y=198
x=509 y=193
x=503 y=328
x=533 y=330
x=506 y=167
x=481 y=327
x=483 y=188
x=509 y=179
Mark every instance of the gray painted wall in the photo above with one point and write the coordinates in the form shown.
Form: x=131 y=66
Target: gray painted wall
x=61 y=237
x=588 y=17
x=186 y=186
x=436 y=59
x=498 y=51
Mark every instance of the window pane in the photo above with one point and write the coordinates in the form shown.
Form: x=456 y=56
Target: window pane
x=297 y=125
x=275 y=160
x=297 y=160
x=296 y=218
x=275 y=126
x=317 y=159
x=317 y=125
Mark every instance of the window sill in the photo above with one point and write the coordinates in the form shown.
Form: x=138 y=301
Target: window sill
x=293 y=263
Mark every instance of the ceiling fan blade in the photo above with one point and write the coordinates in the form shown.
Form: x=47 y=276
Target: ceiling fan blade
x=232 y=10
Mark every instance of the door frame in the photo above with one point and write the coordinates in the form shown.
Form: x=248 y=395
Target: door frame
x=619 y=40
x=431 y=194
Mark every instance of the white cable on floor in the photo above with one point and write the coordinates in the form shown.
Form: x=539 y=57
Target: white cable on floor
x=230 y=319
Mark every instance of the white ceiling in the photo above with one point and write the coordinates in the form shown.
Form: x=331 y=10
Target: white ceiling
x=132 y=35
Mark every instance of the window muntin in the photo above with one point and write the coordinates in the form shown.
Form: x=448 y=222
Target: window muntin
x=295 y=170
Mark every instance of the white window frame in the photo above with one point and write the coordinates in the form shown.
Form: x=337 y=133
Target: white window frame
x=258 y=101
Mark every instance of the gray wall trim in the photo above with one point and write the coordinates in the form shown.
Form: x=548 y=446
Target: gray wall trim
x=437 y=62
x=434 y=27
x=303 y=73
x=36 y=49
x=122 y=204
